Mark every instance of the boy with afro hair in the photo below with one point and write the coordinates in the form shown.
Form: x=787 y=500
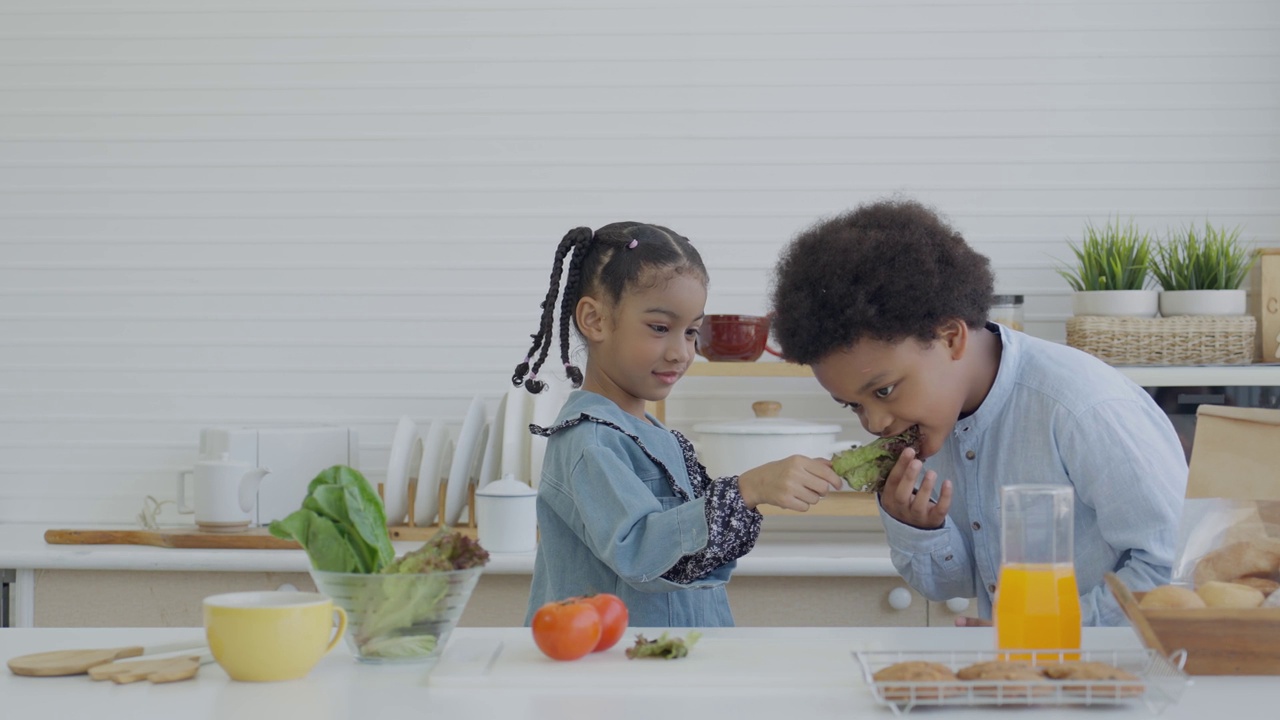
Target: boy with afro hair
x=888 y=305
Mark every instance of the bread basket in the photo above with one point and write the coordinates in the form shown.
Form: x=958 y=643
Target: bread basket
x=1217 y=641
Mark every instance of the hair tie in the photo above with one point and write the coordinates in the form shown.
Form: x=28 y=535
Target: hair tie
x=632 y=245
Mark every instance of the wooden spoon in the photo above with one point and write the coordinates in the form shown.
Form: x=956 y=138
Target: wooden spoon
x=164 y=670
x=1130 y=606
x=78 y=662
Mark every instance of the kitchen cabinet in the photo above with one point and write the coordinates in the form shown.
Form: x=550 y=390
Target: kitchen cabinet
x=142 y=598
x=826 y=602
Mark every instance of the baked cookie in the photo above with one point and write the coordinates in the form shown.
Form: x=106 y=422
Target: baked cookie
x=925 y=678
x=1006 y=679
x=1098 y=679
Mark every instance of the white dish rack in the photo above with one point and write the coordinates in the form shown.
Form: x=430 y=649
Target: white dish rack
x=1160 y=680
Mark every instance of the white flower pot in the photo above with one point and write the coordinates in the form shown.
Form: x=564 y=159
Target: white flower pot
x=1116 y=303
x=1202 y=302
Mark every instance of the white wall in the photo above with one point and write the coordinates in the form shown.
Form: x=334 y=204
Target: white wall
x=344 y=211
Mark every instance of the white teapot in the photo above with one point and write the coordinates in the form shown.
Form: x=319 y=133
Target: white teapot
x=226 y=493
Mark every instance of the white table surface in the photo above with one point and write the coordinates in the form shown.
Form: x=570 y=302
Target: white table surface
x=338 y=687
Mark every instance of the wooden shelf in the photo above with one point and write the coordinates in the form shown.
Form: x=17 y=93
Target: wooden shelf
x=748 y=369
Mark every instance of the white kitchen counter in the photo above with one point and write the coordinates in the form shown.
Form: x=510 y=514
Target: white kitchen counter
x=22 y=546
x=822 y=680
x=777 y=554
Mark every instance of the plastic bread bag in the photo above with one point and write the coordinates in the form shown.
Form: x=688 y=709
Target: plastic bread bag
x=1228 y=540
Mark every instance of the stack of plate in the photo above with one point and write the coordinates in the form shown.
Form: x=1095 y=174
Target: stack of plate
x=483 y=451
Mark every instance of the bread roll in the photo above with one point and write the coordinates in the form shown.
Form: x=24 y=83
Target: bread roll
x=1229 y=595
x=1236 y=560
x=1171 y=597
x=1266 y=585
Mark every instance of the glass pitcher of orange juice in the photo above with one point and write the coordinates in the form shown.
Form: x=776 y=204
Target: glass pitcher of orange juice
x=1037 y=603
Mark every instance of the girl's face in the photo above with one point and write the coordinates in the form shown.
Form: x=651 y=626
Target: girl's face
x=638 y=348
x=892 y=386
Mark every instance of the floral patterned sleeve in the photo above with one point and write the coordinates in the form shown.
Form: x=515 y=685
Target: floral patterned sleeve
x=732 y=527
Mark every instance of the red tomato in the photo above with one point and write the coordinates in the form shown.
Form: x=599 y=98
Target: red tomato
x=613 y=618
x=566 y=630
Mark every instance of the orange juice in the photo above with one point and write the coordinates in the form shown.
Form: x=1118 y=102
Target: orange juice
x=1037 y=607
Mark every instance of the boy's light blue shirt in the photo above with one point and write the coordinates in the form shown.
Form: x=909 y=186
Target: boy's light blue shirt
x=1055 y=415
x=609 y=520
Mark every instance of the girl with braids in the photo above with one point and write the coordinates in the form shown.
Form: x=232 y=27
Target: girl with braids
x=624 y=506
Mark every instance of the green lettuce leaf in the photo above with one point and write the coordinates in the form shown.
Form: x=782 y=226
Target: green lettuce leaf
x=866 y=468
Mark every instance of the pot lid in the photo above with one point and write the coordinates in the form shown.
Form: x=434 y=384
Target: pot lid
x=766 y=426
x=767 y=422
x=506 y=486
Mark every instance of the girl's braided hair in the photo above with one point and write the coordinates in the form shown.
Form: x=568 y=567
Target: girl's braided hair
x=606 y=263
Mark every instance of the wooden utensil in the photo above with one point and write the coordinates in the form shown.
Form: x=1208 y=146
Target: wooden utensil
x=1130 y=606
x=189 y=538
x=171 y=669
x=77 y=662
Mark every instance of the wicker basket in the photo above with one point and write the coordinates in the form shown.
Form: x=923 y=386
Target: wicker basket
x=1184 y=340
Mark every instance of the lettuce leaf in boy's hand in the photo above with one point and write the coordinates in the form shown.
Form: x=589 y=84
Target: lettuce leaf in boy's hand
x=867 y=467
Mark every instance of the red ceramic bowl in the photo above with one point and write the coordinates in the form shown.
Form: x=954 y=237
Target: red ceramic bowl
x=734 y=338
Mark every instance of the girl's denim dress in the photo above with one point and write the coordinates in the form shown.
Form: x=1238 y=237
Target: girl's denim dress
x=618 y=513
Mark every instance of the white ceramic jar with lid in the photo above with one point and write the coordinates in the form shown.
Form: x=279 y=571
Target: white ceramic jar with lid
x=733 y=447
x=507 y=516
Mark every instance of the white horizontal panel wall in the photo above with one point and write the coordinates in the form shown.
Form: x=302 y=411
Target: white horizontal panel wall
x=293 y=211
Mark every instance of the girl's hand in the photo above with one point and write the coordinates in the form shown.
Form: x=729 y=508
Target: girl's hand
x=794 y=483
x=966 y=621
x=905 y=503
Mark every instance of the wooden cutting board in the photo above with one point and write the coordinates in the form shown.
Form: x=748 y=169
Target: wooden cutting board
x=187 y=538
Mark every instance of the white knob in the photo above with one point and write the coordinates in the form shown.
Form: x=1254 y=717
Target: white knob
x=287 y=587
x=958 y=605
x=899 y=598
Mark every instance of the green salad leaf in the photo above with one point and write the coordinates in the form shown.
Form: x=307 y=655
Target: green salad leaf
x=341 y=524
x=867 y=467
x=665 y=647
x=397 y=608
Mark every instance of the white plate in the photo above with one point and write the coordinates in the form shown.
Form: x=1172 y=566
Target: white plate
x=515 y=435
x=426 y=503
x=470 y=436
x=490 y=462
x=546 y=407
x=395 y=489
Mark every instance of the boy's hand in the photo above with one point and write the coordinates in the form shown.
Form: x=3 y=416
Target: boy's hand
x=794 y=483
x=905 y=503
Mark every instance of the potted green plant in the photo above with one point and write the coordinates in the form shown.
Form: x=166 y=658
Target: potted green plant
x=1200 y=271
x=1111 y=272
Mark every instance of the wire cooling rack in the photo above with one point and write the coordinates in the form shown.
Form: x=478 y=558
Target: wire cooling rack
x=1160 y=680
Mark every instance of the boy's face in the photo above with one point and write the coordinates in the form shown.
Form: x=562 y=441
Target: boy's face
x=891 y=386
x=642 y=345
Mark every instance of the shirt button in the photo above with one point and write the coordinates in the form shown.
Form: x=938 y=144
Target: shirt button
x=977 y=525
x=971 y=455
x=948 y=558
x=991 y=588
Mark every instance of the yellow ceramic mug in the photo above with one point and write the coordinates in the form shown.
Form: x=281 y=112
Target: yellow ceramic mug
x=265 y=636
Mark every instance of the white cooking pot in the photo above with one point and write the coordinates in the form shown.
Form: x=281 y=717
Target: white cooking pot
x=731 y=448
